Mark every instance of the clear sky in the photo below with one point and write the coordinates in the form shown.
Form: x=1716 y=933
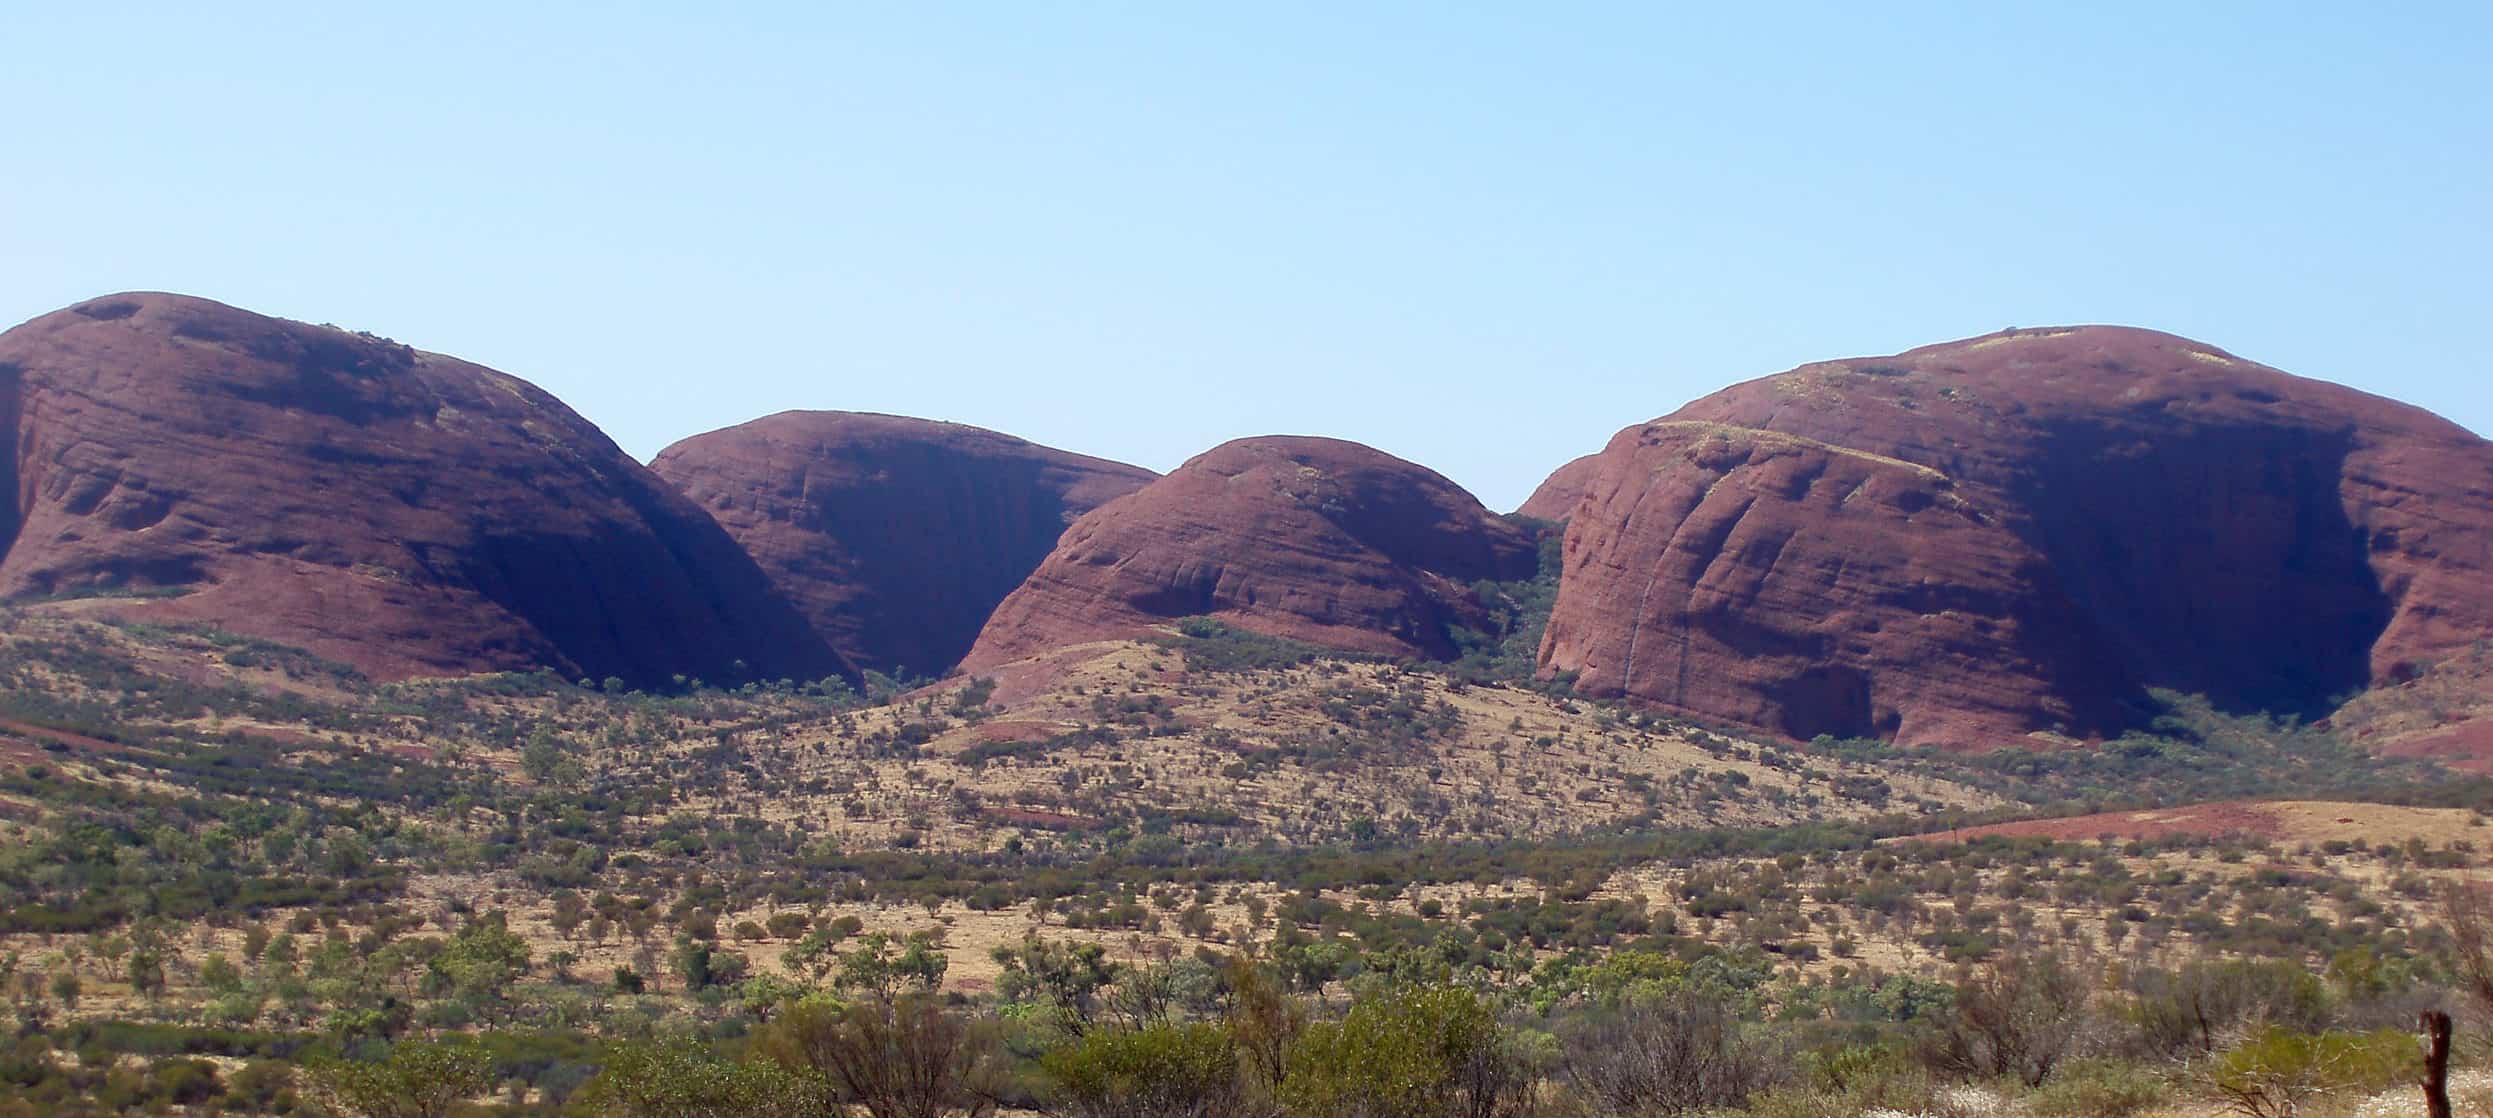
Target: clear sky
x=1479 y=236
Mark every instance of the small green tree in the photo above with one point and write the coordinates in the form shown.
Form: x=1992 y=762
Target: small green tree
x=1672 y=1052
x=692 y=963
x=185 y=1082
x=111 y=949
x=1065 y=976
x=262 y=1087
x=1416 y=1052
x=479 y=964
x=219 y=974
x=542 y=757
x=146 y=970
x=1264 y=1023
x=419 y=1079
x=681 y=1079
x=2019 y=1017
x=884 y=968
x=1160 y=1071
x=2191 y=1011
x=814 y=956
x=900 y=1058
x=67 y=988
x=763 y=995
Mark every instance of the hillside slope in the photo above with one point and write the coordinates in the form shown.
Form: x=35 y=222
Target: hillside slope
x=896 y=536
x=1971 y=542
x=178 y=460
x=1313 y=539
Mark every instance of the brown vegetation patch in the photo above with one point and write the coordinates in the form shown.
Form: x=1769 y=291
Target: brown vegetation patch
x=65 y=737
x=2274 y=820
x=2211 y=820
x=1009 y=730
x=1043 y=820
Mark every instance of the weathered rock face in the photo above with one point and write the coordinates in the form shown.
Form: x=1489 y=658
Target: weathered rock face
x=1556 y=497
x=1973 y=541
x=405 y=512
x=2444 y=713
x=1314 y=539
x=896 y=536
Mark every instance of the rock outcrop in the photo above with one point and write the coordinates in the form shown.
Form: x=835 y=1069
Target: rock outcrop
x=1556 y=497
x=1972 y=542
x=896 y=536
x=174 y=459
x=1318 y=540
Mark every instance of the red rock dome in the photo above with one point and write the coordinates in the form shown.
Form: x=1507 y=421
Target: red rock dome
x=1315 y=539
x=896 y=536
x=401 y=511
x=1556 y=497
x=1969 y=542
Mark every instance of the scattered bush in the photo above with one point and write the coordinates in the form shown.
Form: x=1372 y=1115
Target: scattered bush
x=1161 y=1071
x=2096 y=1089
x=2277 y=1070
x=1665 y=1056
x=1417 y=1052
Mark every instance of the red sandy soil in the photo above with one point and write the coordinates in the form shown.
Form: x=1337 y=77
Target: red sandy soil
x=2275 y=820
x=2244 y=817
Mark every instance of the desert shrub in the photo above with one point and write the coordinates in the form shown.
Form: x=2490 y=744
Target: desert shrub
x=2466 y=912
x=1264 y=1024
x=2276 y=1071
x=1068 y=977
x=1161 y=1071
x=1666 y=1055
x=2019 y=1018
x=262 y=1087
x=681 y=1079
x=2096 y=1089
x=982 y=752
x=419 y=1079
x=1848 y=1082
x=185 y=1082
x=1216 y=646
x=906 y=1057
x=2207 y=1003
x=1416 y=1052
x=884 y=966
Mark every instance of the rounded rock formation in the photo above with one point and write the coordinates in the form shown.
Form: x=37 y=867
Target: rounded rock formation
x=1558 y=493
x=1318 y=540
x=173 y=459
x=896 y=536
x=1968 y=543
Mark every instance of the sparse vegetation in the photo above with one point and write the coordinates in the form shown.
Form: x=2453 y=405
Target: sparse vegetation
x=269 y=886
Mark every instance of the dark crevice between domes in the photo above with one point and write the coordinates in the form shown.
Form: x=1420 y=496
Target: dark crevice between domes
x=2221 y=565
x=936 y=576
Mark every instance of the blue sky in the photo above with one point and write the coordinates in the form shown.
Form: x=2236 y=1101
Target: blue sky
x=1481 y=237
